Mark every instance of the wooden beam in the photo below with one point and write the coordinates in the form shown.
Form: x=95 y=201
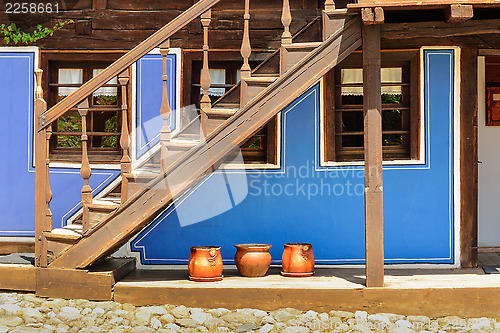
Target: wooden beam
x=17 y=277
x=372 y=15
x=469 y=158
x=374 y=235
x=459 y=13
x=139 y=210
x=17 y=247
x=439 y=29
x=489 y=52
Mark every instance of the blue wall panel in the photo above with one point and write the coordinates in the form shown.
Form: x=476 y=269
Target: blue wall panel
x=149 y=95
x=303 y=202
x=17 y=175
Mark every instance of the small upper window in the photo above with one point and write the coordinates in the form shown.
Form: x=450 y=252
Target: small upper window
x=344 y=115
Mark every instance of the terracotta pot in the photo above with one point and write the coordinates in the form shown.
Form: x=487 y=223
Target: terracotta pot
x=205 y=264
x=252 y=260
x=298 y=260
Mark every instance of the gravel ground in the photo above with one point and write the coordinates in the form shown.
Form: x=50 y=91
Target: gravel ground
x=27 y=313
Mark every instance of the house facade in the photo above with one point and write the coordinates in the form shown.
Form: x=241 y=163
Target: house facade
x=296 y=174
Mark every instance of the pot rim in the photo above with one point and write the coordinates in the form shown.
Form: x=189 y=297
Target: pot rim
x=253 y=246
x=205 y=247
x=297 y=244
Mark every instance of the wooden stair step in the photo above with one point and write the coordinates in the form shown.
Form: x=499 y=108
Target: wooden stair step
x=293 y=53
x=65 y=234
x=252 y=86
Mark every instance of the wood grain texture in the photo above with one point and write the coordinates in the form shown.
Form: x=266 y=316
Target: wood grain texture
x=138 y=211
x=372 y=112
x=469 y=158
x=17 y=277
x=17 y=247
x=459 y=13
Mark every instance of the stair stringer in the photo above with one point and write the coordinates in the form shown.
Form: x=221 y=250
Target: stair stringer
x=140 y=210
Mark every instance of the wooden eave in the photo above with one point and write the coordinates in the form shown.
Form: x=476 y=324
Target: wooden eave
x=421 y=5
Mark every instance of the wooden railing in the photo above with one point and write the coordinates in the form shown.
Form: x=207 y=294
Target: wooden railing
x=80 y=98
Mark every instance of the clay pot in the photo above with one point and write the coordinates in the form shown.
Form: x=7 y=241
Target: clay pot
x=205 y=264
x=298 y=260
x=252 y=260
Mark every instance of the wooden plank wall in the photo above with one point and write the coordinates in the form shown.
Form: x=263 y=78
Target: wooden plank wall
x=122 y=24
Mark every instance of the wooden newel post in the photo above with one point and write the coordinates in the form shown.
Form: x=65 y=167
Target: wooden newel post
x=205 y=104
x=126 y=163
x=43 y=193
x=286 y=19
x=165 y=133
x=329 y=5
x=85 y=171
x=374 y=216
x=246 y=48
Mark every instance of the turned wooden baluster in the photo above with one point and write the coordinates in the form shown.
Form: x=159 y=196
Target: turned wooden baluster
x=329 y=5
x=165 y=133
x=246 y=49
x=43 y=193
x=286 y=19
x=85 y=171
x=126 y=162
x=205 y=104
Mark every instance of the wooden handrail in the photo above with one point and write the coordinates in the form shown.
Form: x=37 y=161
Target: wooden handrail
x=126 y=60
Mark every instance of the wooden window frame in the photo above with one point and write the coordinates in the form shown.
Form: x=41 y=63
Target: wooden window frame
x=390 y=58
x=51 y=61
x=231 y=61
x=492 y=82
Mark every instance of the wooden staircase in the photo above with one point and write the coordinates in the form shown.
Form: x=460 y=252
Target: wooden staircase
x=183 y=160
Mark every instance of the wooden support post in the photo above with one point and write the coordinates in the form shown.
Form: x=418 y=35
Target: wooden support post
x=126 y=163
x=246 y=49
x=374 y=235
x=42 y=200
x=329 y=5
x=85 y=171
x=459 y=13
x=205 y=104
x=286 y=19
x=165 y=133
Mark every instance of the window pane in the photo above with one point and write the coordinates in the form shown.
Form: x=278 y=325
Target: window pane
x=68 y=76
x=351 y=95
x=352 y=122
x=217 y=76
x=69 y=122
x=105 y=95
x=353 y=141
x=392 y=120
x=392 y=139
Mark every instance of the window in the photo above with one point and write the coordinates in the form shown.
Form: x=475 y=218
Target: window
x=225 y=74
x=344 y=121
x=103 y=119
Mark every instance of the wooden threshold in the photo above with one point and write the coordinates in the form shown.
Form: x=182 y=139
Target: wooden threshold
x=94 y=284
x=467 y=292
x=17 y=247
x=18 y=277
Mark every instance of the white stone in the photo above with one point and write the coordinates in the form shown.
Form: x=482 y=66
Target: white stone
x=360 y=316
x=11 y=309
x=86 y=311
x=213 y=323
x=51 y=314
x=218 y=312
x=259 y=313
x=268 y=320
x=419 y=319
x=121 y=313
x=10 y=321
x=379 y=318
x=167 y=318
x=200 y=317
x=142 y=329
x=31 y=315
x=403 y=323
x=186 y=322
x=195 y=310
x=284 y=315
x=4 y=329
x=240 y=318
x=323 y=317
x=266 y=328
x=480 y=324
x=180 y=312
x=403 y=330
x=246 y=327
x=155 y=323
x=295 y=329
x=341 y=314
x=69 y=313
x=172 y=326
x=98 y=312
